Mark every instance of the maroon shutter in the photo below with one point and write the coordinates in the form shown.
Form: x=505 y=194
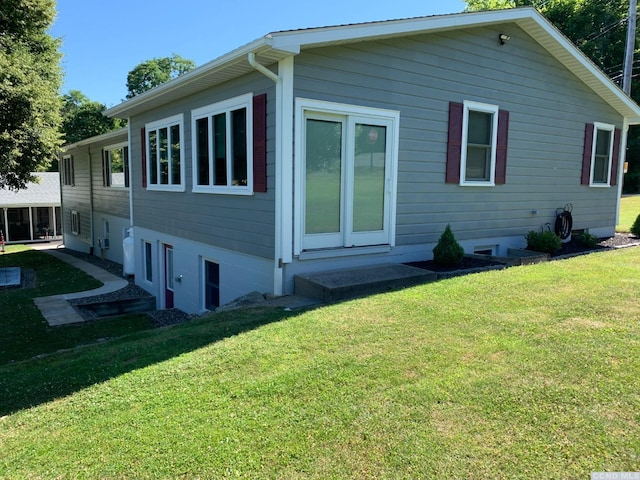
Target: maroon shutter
x=143 y=155
x=260 y=143
x=586 y=154
x=615 y=161
x=501 y=147
x=104 y=168
x=454 y=143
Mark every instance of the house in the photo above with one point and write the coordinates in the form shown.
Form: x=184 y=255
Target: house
x=337 y=147
x=33 y=213
x=95 y=194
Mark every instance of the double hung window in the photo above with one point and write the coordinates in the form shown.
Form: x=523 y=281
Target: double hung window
x=164 y=154
x=601 y=154
x=479 y=137
x=223 y=147
x=116 y=166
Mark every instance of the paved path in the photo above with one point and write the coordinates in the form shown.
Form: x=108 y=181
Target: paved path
x=57 y=310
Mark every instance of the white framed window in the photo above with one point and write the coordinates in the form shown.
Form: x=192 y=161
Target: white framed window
x=148 y=261
x=116 y=165
x=601 y=154
x=222 y=142
x=75 y=222
x=210 y=284
x=165 y=154
x=68 y=174
x=479 y=140
x=346 y=175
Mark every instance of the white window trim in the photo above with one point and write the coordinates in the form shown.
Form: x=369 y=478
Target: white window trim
x=144 y=262
x=67 y=171
x=117 y=146
x=303 y=105
x=75 y=222
x=597 y=126
x=486 y=108
x=166 y=123
x=225 y=106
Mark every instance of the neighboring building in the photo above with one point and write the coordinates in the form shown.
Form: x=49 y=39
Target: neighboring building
x=337 y=147
x=95 y=194
x=33 y=213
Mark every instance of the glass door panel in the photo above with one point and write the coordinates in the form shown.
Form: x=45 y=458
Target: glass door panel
x=369 y=178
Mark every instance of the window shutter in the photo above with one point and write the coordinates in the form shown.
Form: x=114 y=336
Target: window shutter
x=105 y=182
x=501 y=147
x=586 y=154
x=615 y=161
x=143 y=156
x=454 y=143
x=260 y=143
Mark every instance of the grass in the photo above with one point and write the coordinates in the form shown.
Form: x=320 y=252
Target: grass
x=25 y=333
x=530 y=372
x=629 y=211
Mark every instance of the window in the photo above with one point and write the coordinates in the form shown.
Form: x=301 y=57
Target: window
x=164 y=153
x=477 y=145
x=600 y=156
x=67 y=171
x=148 y=263
x=346 y=175
x=75 y=222
x=223 y=147
x=116 y=166
x=211 y=285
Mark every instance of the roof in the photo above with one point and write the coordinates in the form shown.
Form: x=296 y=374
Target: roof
x=45 y=193
x=278 y=45
x=112 y=135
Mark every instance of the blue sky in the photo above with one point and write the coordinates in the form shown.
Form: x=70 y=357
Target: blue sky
x=103 y=40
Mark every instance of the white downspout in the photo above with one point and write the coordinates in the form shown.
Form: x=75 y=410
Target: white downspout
x=278 y=260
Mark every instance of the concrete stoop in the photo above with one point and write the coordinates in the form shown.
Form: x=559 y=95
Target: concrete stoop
x=333 y=286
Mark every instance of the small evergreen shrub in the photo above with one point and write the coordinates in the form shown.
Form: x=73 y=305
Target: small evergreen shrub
x=448 y=252
x=635 y=228
x=585 y=239
x=545 y=242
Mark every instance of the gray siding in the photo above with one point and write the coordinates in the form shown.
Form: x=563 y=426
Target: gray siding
x=241 y=223
x=78 y=197
x=420 y=75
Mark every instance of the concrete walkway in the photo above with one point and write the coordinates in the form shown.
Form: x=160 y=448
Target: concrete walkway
x=57 y=310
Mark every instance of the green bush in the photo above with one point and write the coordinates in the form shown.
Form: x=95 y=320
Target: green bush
x=545 y=242
x=448 y=252
x=635 y=228
x=585 y=239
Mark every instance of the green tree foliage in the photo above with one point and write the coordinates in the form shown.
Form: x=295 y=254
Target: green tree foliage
x=30 y=77
x=82 y=118
x=156 y=71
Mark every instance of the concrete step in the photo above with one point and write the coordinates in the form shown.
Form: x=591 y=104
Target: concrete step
x=336 y=285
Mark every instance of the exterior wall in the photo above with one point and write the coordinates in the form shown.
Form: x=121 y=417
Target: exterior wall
x=419 y=76
x=77 y=198
x=239 y=273
x=95 y=202
x=242 y=223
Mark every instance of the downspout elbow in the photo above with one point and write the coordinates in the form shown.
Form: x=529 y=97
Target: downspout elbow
x=251 y=57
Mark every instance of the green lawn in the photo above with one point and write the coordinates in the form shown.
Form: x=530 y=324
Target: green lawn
x=629 y=211
x=530 y=372
x=24 y=333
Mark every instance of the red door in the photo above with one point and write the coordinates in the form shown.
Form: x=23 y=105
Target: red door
x=168 y=276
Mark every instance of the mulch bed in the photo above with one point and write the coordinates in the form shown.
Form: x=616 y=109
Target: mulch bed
x=568 y=248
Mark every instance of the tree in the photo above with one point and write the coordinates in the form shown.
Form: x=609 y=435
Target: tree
x=30 y=77
x=155 y=72
x=82 y=118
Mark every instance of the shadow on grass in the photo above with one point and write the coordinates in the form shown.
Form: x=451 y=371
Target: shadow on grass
x=33 y=382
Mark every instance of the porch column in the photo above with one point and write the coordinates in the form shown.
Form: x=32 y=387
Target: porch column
x=31 y=222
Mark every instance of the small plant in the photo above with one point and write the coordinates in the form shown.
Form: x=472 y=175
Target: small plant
x=545 y=242
x=448 y=252
x=585 y=239
x=635 y=228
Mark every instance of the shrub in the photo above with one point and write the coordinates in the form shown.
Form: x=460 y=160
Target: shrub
x=545 y=242
x=635 y=228
x=585 y=239
x=448 y=252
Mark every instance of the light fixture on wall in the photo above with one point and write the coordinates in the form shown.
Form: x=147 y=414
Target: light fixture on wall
x=503 y=38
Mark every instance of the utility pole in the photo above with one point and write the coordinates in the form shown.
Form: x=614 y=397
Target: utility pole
x=630 y=48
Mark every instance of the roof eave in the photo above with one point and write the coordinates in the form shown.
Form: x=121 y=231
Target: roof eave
x=98 y=138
